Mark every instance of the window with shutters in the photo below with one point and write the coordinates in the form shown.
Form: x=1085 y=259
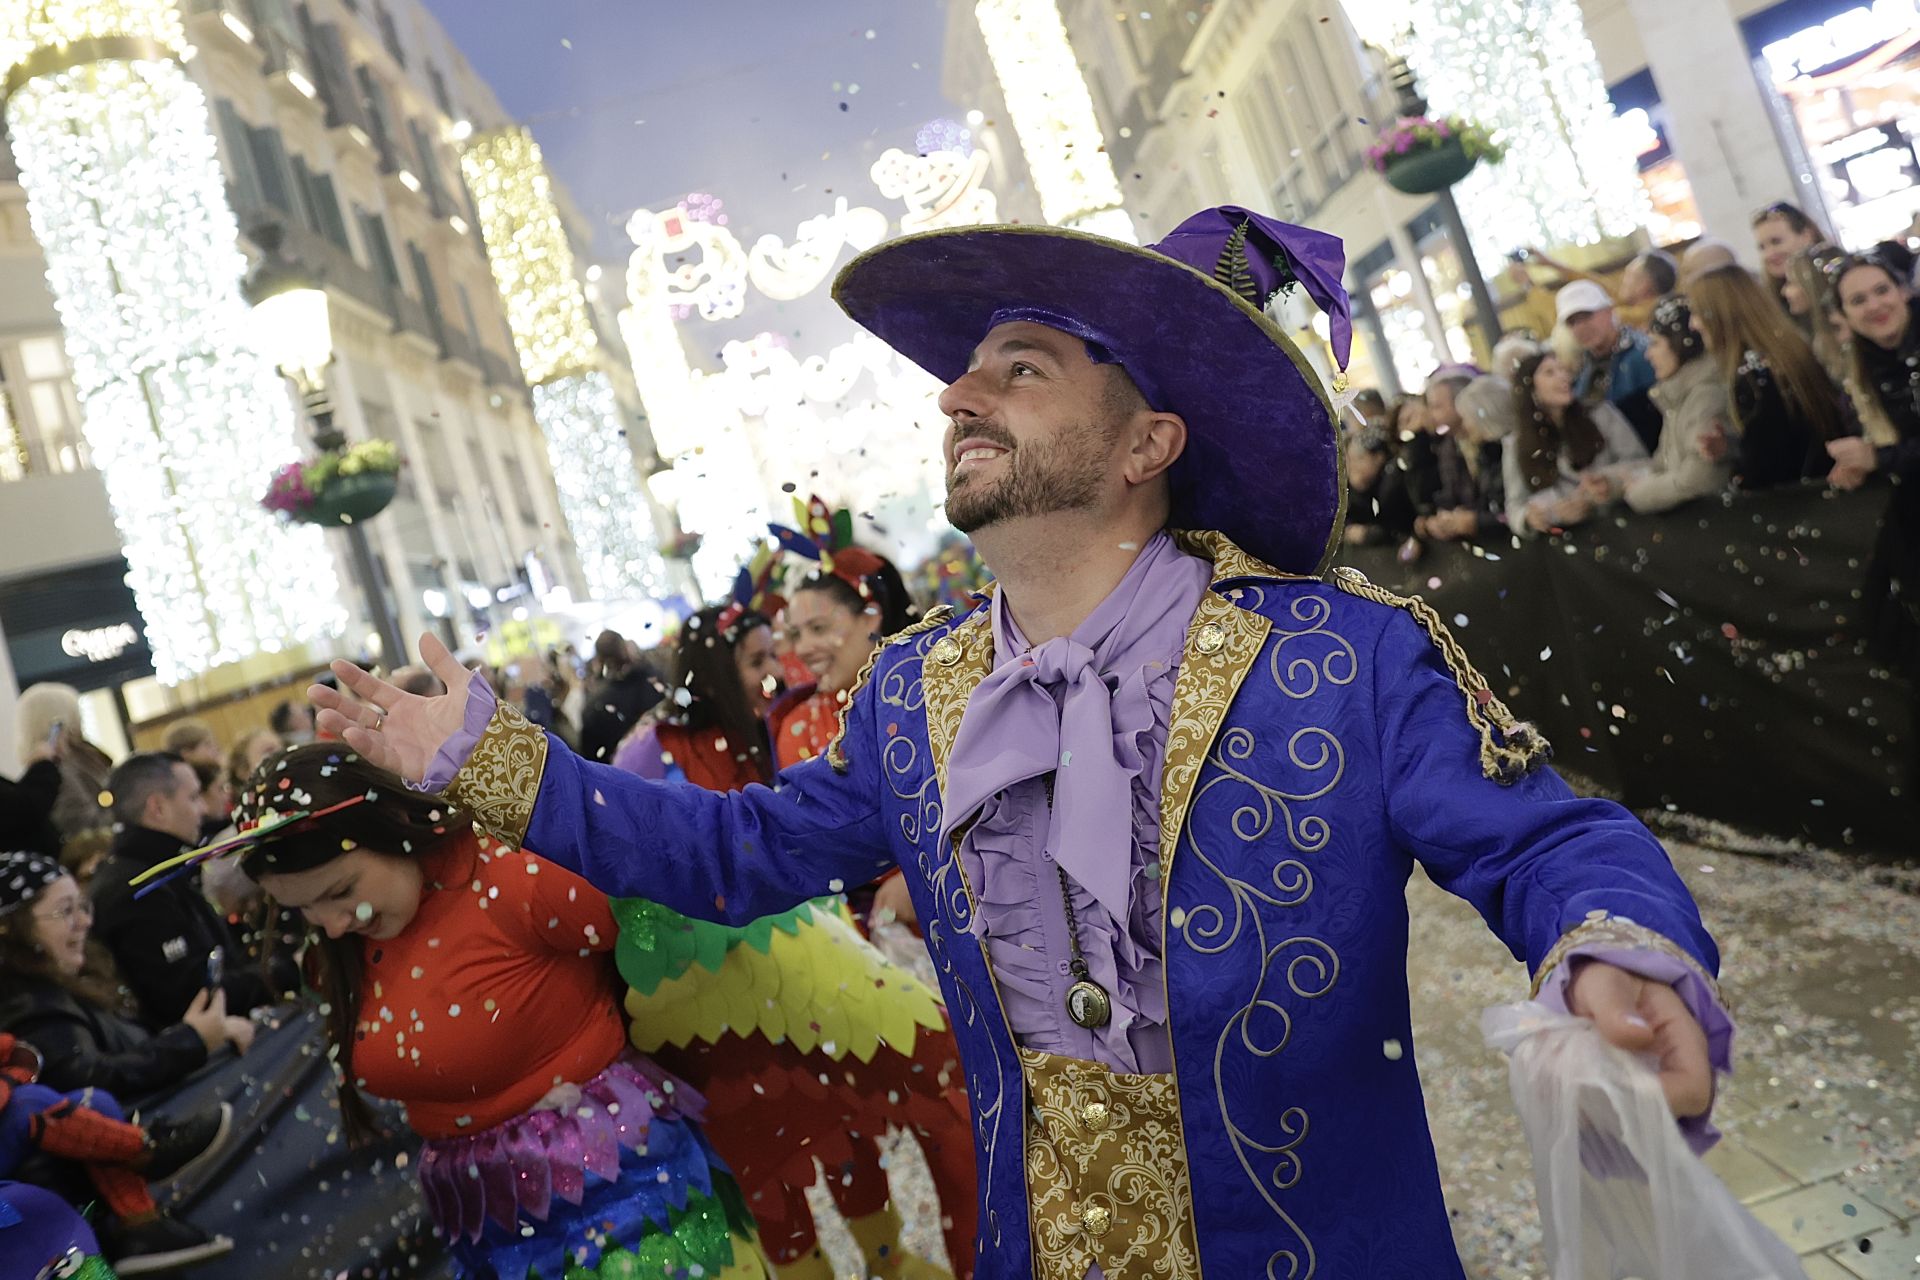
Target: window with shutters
x=236 y=145
x=438 y=83
x=390 y=35
x=373 y=230
x=429 y=296
x=374 y=100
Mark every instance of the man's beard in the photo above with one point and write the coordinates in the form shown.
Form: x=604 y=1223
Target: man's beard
x=1064 y=474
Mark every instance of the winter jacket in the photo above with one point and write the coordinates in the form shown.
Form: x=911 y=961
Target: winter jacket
x=1618 y=445
x=160 y=942
x=84 y=1045
x=1693 y=402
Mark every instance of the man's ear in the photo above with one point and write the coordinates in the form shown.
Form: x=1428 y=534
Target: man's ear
x=1158 y=443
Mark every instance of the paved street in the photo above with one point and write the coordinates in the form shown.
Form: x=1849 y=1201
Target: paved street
x=1822 y=1116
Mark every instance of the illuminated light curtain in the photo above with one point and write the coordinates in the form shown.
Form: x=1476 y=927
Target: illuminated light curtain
x=1053 y=115
x=573 y=398
x=184 y=419
x=1526 y=69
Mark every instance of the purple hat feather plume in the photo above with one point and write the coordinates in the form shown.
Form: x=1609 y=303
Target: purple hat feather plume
x=1257 y=256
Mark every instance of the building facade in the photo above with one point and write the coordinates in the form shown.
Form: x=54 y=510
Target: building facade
x=1731 y=104
x=338 y=124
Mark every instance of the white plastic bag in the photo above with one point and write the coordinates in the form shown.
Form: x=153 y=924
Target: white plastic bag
x=1622 y=1197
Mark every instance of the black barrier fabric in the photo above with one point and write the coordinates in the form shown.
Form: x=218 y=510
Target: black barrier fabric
x=297 y=1203
x=1712 y=661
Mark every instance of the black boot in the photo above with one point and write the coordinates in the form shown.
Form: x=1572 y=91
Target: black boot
x=181 y=1147
x=159 y=1244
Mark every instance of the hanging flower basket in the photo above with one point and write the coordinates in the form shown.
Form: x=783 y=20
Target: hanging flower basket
x=338 y=488
x=1421 y=155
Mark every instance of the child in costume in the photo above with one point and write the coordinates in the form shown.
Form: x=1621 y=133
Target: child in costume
x=806 y=1041
x=87 y=1127
x=473 y=984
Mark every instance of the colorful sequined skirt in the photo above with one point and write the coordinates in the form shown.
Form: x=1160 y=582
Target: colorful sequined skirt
x=610 y=1178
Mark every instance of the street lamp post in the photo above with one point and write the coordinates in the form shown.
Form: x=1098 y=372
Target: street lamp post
x=295 y=332
x=1411 y=102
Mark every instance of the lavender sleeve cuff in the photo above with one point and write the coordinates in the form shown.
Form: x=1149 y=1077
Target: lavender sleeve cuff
x=1699 y=1130
x=454 y=751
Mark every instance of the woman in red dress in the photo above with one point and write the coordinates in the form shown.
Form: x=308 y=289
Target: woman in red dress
x=806 y=1041
x=472 y=984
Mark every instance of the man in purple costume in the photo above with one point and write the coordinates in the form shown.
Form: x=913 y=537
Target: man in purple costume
x=1156 y=795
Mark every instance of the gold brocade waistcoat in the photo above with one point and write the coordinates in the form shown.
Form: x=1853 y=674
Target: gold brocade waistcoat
x=1107 y=1173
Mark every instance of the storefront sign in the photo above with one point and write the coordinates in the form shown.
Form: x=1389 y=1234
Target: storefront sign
x=100 y=644
x=78 y=625
x=1840 y=39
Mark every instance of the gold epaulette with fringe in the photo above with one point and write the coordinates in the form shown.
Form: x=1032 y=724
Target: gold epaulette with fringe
x=937 y=616
x=1510 y=748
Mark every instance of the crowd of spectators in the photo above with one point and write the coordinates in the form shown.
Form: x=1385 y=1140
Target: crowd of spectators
x=1698 y=379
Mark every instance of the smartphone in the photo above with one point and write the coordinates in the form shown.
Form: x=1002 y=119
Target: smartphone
x=216 y=967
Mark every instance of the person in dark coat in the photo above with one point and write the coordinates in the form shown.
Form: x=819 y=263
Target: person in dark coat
x=621 y=688
x=162 y=942
x=58 y=993
x=26 y=804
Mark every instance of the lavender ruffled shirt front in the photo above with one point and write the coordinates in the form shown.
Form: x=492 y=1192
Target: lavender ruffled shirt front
x=1092 y=710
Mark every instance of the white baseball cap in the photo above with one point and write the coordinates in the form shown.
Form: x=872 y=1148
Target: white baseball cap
x=1581 y=295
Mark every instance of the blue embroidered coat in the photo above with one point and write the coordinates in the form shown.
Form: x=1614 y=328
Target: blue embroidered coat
x=1323 y=739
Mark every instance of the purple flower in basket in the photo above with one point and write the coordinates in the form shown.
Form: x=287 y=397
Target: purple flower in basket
x=287 y=493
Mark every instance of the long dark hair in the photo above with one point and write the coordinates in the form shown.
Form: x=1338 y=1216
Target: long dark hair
x=707 y=692
x=883 y=589
x=1540 y=440
x=1734 y=313
x=394 y=820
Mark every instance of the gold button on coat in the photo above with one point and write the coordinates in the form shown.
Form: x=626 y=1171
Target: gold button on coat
x=1094 y=1115
x=1211 y=638
x=1097 y=1219
x=946 y=651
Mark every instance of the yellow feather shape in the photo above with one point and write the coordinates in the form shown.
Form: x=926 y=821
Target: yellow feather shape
x=822 y=987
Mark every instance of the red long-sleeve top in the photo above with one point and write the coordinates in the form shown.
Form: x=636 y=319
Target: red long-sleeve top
x=500 y=989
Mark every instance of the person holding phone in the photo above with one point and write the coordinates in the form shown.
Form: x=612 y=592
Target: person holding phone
x=160 y=939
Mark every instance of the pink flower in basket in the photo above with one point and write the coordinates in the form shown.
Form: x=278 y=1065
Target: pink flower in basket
x=287 y=493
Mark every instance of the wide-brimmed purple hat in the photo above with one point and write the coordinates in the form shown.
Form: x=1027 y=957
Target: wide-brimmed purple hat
x=1185 y=318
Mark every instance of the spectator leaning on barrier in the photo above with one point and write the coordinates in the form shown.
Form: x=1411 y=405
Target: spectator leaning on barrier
x=1781 y=230
x=1884 y=316
x=1557 y=441
x=59 y=992
x=1470 y=498
x=1784 y=407
x=1614 y=369
x=1693 y=404
x=161 y=941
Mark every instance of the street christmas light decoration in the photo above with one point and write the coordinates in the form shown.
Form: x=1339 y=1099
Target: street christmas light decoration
x=1526 y=71
x=1053 y=115
x=182 y=416
x=573 y=398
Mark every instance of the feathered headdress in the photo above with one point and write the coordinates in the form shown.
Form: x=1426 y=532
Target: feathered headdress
x=750 y=589
x=827 y=536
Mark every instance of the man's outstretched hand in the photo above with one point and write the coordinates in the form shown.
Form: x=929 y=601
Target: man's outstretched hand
x=1643 y=1016
x=398 y=731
